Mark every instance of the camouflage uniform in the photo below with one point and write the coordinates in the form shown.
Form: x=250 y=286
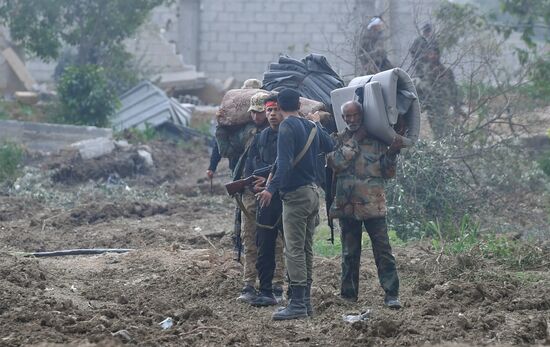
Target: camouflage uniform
x=437 y=91
x=360 y=169
x=418 y=51
x=232 y=140
x=373 y=55
x=249 y=200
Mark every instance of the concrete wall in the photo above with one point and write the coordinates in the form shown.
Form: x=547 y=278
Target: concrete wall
x=48 y=138
x=239 y=38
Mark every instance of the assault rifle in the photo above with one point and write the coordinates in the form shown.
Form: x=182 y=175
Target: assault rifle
x=238 y=186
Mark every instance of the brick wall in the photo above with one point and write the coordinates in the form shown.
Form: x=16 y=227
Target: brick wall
x=241 y=37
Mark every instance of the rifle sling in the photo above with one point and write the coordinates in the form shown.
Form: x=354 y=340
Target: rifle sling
x=296 y=160
x=251 y=217
x=309 y=141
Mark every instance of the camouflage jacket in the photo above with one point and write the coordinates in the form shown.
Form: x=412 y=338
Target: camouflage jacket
x=360 y=169
x=233 y=140
x=437 y=88
x=373 y=55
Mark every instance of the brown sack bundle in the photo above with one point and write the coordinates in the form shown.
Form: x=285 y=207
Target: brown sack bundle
x=235 y=103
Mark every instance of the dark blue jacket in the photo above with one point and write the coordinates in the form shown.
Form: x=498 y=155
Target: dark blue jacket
x=293 y=134
x=262 y=152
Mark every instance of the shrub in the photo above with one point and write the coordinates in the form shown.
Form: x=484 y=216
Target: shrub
x=85 y=95
x=11 y=156
x=544 y=163
x=441 y=181
x=514 y=253
x=137 y=136
x=428 y=186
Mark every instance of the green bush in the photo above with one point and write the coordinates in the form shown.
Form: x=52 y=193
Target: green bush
x=85 y=95
x=428 y=187
x=466 y=239
x=11 y=156
x=137 y=136
x=544 y=163
x=441 y=181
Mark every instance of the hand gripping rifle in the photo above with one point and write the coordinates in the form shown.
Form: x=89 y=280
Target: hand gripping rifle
x=238 y=186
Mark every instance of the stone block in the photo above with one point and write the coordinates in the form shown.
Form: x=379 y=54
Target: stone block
x=246 y=38
x=225 y=56
x=94 y=148
x=237 y=27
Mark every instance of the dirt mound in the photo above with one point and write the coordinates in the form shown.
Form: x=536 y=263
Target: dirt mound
x=182 y=269
x=113 y=299
x=98 y=213
x=173 y=162
x=16 y=208
x=120 y=164
x=124 y=298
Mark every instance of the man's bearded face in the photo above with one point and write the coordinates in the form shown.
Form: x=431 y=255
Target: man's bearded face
x=353 y=117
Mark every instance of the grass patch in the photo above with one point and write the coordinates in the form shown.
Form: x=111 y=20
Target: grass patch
x=136 y=136
x=22 y=112
x=528 y=277
x=467 y=239
x=322 y=246
x=11 y=156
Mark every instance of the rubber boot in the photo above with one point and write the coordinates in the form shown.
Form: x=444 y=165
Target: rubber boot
x=307 y=300
x=296 y=307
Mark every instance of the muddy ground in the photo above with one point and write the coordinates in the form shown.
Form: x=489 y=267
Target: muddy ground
x=181 y=267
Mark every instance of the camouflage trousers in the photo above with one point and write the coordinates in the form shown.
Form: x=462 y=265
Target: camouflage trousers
x=351 y=256
x=248 y=238
x=251 y=249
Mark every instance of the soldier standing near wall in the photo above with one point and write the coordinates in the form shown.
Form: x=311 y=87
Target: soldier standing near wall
x=420 y=47
x=269 y=228
x=372 y=54
x=231 y=146
x=300 y=142
x=438 y=92
x=361 y=164
x=257 y=111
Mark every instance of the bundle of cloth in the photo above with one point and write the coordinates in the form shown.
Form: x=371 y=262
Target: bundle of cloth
x=234 y=123
x=235 y=103
x=312 y=77
x=390 y=105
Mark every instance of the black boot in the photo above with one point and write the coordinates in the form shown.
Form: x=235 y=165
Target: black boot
x=248 y=293
x=392 y=301
x=264 y=298
x=278 y=293
x=307 y=300
x=296 y=307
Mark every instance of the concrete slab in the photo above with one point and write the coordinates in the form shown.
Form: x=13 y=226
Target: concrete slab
x=48 y=138
x=19 y=68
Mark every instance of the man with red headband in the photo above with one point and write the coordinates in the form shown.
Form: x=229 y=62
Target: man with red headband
x=269 y=264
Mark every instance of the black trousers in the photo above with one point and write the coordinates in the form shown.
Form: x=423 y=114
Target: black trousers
x=351 y=255
x=266 y=238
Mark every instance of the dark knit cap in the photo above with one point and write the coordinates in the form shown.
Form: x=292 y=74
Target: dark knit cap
x=288 y=100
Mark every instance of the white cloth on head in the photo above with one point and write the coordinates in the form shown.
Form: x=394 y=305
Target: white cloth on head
x=375 y=21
